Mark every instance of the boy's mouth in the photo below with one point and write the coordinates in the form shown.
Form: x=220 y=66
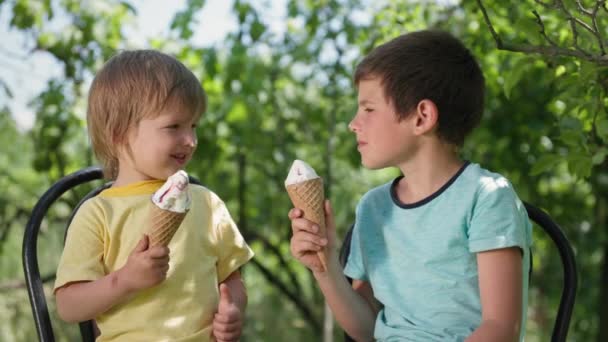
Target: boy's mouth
x=181 y=158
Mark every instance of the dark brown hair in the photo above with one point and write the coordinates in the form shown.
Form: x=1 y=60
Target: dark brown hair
x=430 y=65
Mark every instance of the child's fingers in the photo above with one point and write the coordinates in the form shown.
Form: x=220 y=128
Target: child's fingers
x=227 y=337
x=225 y=328
x=163 y=268
x=159 y=252
x=304 y=242
x=302 y=249
x=294 y=213
x=232 y=335
x=302 y=224
x=329 y=214
x=226 y=320
x=159 y=262
x=142 y=244
x=162 y=259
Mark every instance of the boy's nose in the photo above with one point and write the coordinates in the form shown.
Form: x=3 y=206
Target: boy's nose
x=352 y=125
x=191 y=139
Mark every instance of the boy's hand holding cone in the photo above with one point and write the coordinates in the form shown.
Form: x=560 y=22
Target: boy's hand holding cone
x=305 y=189
x=171 y=204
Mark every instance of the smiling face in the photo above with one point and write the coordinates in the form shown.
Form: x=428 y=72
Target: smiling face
x=382 y=140
x=157 y=147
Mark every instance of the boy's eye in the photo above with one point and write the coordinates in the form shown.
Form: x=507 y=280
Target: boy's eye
x=175 y=126
x=368 y=110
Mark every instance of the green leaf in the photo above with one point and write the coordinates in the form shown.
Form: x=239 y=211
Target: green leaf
x=257 y=29
x=588 y=71
x=599 y=156
x=572 y=138
x=580 y=165
x=238 y=113
x=545 y=163
x=570 y=123
x=601 y=127
x=514 y=75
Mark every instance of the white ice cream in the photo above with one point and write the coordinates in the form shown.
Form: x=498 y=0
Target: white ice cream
x=174 y=195
x=299 y=172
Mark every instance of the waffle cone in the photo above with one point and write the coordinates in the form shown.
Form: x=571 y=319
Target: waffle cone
x=163 y=225
x=309 y=197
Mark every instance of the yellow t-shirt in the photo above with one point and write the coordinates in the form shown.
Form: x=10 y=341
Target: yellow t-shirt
x=205 y=250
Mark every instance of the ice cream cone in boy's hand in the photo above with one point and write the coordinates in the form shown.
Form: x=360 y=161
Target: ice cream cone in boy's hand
x=170 y=205
x=305 y=189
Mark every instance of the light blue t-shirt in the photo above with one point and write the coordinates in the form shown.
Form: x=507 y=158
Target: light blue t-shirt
x=420 y=258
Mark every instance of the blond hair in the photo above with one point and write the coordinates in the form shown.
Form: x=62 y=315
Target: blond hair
x=131 y=86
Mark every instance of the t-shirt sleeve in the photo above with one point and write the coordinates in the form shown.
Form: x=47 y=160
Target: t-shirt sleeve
x=355 y=268
x=499 y=219
x=232 y=250
x=82 y=257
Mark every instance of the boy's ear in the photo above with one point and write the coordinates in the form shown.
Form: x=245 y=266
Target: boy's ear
x=427 y=116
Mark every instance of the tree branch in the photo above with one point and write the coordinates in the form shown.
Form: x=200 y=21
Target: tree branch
x=20 y=212
x=268 y=246
x=486 y=18
x=542 y=31
x=20 y=284
x=296 y=298
x=551 y=51
x=574 y=20
x=582 y=9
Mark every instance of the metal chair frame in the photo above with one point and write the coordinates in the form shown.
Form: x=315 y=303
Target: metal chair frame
x=33 y=279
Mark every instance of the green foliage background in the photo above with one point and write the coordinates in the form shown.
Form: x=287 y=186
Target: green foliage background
x=276 y=97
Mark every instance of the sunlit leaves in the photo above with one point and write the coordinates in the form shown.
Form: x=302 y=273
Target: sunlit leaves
x=599 y=156
x=184 y=20
x=545 y=163
x=28 y=15
x=602 y=127
x=513 y=74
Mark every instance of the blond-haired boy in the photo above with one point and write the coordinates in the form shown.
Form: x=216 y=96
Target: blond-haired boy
x=142 y=114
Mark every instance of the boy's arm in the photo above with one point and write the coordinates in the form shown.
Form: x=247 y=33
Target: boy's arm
x=236 y=287
x=500 y=286
x=350 y=307
x=228 y=320
x=364 y=289
x=82 y=301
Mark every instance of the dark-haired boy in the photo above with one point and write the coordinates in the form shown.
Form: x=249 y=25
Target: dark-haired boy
x=442 y=252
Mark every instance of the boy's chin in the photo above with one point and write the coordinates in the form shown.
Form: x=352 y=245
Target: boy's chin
x=168 y=173
x=370 y=165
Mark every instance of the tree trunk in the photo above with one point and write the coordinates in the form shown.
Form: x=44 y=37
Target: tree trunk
x=603 y=295
x=603 y=305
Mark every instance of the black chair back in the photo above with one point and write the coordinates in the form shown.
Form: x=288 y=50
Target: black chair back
x=33 y=279
x=30 y=255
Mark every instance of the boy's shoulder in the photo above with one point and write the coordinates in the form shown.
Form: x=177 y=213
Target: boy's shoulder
x=473 y=179
x=379 y=192
x=95 y=202
x=483 y=179
x=200 y=189
x=203 y=193
x=485 y=185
